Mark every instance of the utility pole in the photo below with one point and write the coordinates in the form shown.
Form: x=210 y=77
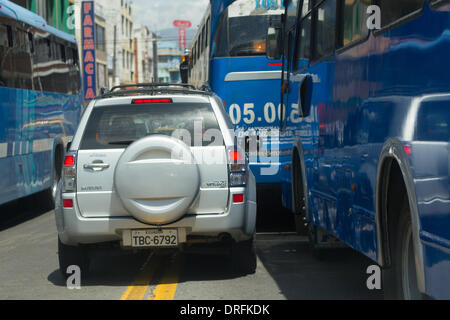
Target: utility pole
x=114 y=55
x=155 y=60
x=136 y=61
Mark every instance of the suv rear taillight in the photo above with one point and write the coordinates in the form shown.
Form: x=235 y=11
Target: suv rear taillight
x=237 y=166
x=69 y=172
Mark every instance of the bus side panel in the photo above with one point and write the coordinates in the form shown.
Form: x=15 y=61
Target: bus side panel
x=407 y=77
x=30 y=122
x=329 y=172
x=61 y=113
x=9 y=134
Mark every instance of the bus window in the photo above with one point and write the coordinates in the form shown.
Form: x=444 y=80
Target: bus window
x=219 y=47
x=207 y=33
x=303 y=47
x=75 y=57
x=292 y=14
x=31 y=42
x=202 y=42
x=21 y=61
x=5 y=57
x=243 y=30
x=324 y=30
x=62 y=49
x=354 y=23
x=392 y=11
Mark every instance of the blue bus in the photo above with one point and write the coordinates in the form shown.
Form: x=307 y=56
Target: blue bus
x=370 y=164
x=40 y=103
x=228 y=54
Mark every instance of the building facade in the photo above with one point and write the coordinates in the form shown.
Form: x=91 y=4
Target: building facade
x=126 y=23
x=101 y=38
x=143 y=54
x=114 y=41
x=124 y=53
x=169 y=59
x=57 y=13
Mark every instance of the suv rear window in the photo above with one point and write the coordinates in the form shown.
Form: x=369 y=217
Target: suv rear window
x=114 y=127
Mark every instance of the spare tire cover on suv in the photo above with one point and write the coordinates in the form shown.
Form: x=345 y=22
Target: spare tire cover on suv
x=157 y=179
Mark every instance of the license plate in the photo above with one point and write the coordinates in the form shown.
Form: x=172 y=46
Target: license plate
x=154 y=238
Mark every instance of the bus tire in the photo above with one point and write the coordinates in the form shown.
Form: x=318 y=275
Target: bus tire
x=72 y=256
x=243 y=257
x=48 y=197
x=301 y=224
x=400 y=279
x=316 y=252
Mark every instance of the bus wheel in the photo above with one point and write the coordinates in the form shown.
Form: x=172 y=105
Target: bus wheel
x=72 y=256
x=400 y=280
x=316 y=251
x=47 y=199
x=301 y=224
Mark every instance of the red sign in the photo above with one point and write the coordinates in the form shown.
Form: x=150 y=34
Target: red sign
x=182 y=38
x=183 y=24
x=88 y=49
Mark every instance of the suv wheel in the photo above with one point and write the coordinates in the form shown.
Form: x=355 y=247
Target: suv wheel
x=243 y=257
x=71 y=255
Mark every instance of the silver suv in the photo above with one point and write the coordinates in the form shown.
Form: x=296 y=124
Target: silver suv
x=155 y=166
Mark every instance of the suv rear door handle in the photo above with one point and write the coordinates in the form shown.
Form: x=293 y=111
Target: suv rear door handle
x=96 y=166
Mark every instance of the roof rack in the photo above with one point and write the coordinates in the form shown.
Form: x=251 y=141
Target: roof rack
x=152 y=85
x=151 y=89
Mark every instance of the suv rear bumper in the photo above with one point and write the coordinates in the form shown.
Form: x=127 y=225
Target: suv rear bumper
x=74 y=229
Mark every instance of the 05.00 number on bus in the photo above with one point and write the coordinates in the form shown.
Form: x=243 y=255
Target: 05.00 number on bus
x=271 y=113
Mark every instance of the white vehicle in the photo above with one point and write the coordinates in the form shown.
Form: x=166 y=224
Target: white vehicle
x=155 y=166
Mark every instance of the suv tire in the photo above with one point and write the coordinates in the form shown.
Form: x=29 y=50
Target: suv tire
x=243 y=257
x=71 y=255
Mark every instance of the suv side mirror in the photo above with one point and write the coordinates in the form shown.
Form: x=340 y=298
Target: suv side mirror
x=273 y=42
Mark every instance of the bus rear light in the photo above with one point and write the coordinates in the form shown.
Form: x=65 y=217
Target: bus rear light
x=67 y=203
x=69 y=173
x=153 y=100
x=238 y=198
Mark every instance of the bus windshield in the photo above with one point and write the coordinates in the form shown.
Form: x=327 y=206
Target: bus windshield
x=243 y=28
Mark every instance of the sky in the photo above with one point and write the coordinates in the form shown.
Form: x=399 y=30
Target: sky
x=160 y=14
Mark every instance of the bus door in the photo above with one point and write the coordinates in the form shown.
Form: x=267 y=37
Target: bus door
x=315 y=77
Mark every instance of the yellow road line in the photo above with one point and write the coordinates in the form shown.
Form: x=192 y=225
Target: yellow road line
x=137 y=290
x=169 y=282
